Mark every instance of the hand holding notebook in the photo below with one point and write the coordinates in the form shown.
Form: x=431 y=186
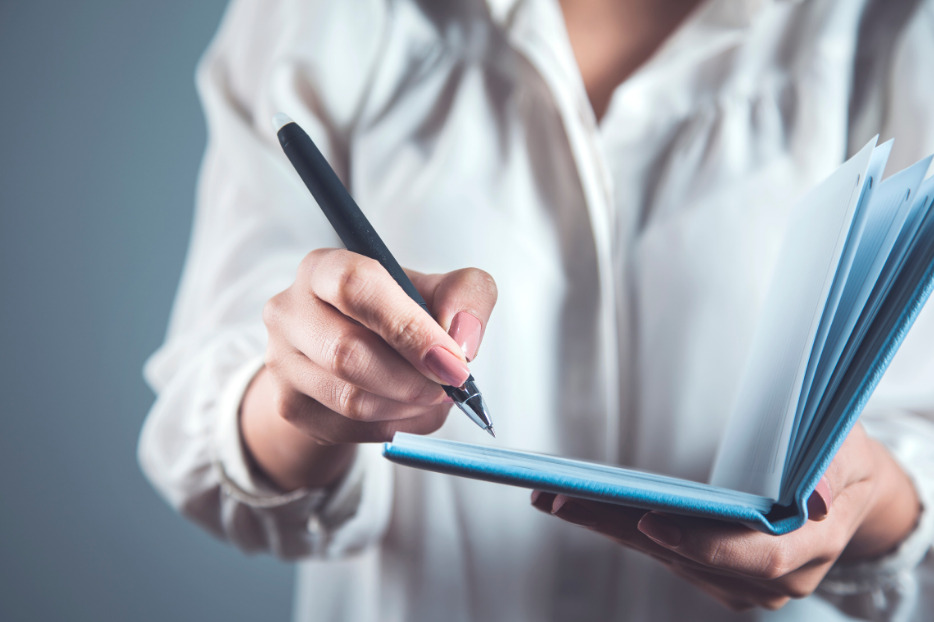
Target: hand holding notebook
x=863 y=507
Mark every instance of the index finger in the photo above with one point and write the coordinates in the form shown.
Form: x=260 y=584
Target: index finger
x=361 y=289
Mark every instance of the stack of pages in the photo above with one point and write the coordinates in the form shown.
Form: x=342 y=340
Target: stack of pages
x=856 y=266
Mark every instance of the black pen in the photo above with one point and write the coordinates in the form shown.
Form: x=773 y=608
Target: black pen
x=358 y=235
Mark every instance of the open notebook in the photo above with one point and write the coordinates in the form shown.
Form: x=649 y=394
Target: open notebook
x=855 y=268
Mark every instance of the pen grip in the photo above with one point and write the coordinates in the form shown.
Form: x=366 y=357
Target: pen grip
x=358 y=235
x=345 y=216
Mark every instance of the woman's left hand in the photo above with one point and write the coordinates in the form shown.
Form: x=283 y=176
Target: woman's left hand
x=864 y=506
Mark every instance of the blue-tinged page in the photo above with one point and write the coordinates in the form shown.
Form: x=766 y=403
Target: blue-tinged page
x=751 y=455
x=887 y=210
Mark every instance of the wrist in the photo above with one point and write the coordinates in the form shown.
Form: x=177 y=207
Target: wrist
x=284 y=455
x=893 y=512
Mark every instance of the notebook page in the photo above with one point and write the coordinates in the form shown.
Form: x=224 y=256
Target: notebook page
x=752 y=452
x=877 y=161
x=919 y=213
x=886 y=213
x=896 y=259
x=901 y=304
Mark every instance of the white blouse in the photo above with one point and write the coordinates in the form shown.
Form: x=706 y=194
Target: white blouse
x=631 y=257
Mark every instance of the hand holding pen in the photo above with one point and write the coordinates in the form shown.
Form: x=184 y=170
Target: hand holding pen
x=352 y=358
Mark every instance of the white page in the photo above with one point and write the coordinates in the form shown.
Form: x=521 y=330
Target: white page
x=877 y=161
x=893 y=264
x=901 y=298
x=888 y=209
x=751 y=455
x=923 y=203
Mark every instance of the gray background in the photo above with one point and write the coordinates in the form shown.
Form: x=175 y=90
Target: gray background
x=100 y=141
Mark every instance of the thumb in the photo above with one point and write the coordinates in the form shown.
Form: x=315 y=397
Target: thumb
x=461 y=302
x=848 y=467
x=820 y=500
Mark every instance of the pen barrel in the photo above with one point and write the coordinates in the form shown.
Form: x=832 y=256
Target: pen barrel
x=345 y=216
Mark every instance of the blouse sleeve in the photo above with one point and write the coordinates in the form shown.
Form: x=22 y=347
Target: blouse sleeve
x=253 y=224
x=901 y=412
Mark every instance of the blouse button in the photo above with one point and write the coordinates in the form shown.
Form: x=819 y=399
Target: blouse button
x=317 y=534
x=314 y=526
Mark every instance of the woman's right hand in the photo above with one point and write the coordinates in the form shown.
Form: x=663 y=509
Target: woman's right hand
x=352 y=359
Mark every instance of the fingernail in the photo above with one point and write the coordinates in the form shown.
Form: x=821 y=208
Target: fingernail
x=450 y=369
x=574 y=512
x=660 y=530
x=465 y=330
x=820 y=500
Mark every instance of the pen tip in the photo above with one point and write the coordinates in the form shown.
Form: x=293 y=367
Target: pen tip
x=490 y=430
x=279 y=120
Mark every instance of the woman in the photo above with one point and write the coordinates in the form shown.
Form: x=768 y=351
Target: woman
x=612 y=177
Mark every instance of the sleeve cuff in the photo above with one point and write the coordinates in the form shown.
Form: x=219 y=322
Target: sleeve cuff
x=338 y=519
x=238 y=478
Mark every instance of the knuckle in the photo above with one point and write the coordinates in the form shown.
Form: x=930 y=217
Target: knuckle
x=346 y=355
x=776 y=564
x=310 y=262
x=278 y=400
x=286 y=403
x=404 y=333
x=355 y=281
x=272 y=360
x=351 y=401
x=274 y=310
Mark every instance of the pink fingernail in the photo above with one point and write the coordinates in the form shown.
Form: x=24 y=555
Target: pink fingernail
x=820 y=501
x=446 y=366
x=466 y=329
